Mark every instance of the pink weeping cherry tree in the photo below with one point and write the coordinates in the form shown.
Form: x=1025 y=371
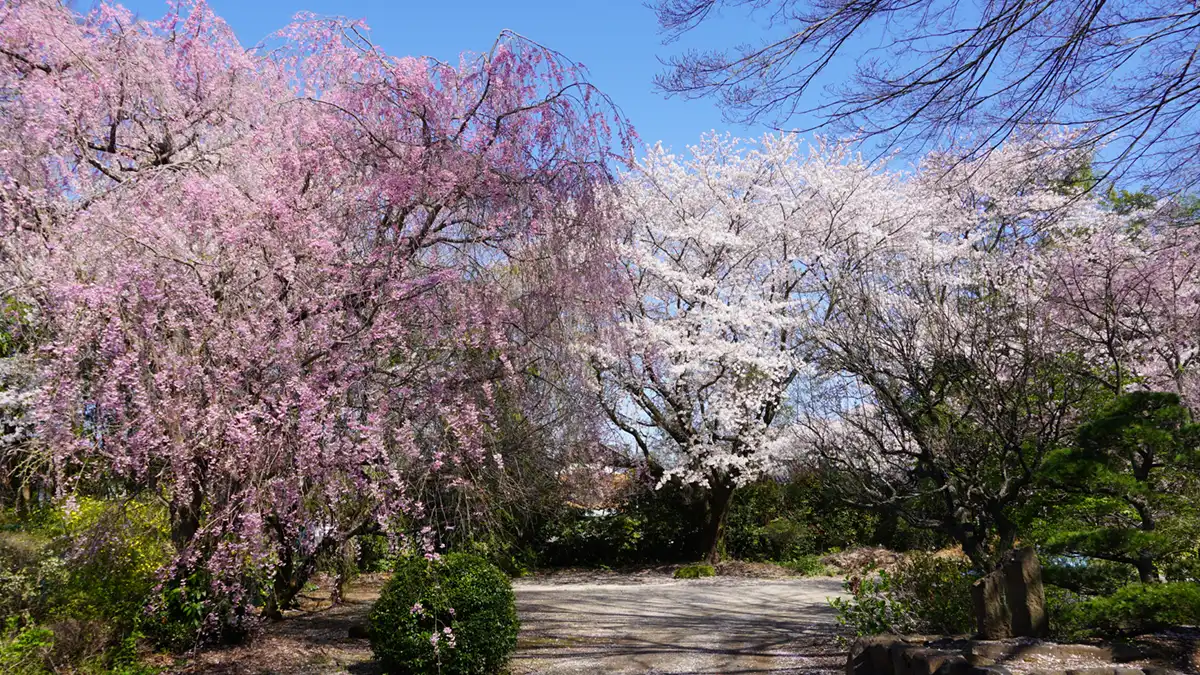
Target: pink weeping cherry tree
x=262 y=271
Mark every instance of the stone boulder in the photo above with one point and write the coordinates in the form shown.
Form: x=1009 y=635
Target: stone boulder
x=918 y=655
x=1010 y=601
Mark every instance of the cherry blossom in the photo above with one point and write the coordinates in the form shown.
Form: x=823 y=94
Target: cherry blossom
x=281 y=285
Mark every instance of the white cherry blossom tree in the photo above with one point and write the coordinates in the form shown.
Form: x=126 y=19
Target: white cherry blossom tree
x=723 y=255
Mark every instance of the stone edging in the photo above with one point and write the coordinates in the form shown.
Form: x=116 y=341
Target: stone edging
x=917 y=655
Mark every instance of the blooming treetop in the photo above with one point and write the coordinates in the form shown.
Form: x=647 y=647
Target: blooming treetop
x=725 y=253
x=945 y=369
x=1125 y=293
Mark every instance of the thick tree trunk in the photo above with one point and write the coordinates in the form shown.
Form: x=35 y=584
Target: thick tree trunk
x=720 y=496
x=295 y=570
x=886 y=528
x=185 y=517
x=1147 y=571
x=985 y=540
x=975 y=545
x=291 y=576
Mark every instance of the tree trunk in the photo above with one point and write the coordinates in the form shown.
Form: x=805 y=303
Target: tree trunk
x=292 y=574
x=887 y=528
x=295 y=570
x=975 y=545
x=185 y=517
x=720 y=496
x=1147 y=572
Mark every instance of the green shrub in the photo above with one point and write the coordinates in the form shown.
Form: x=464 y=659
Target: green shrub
x=31 y=576
x=81 y=578
x=695 y=571
x=924 y=594
x=177 y=618
x=872 y=609
x=514 y=559
x=591 y=538
x=22 y=549
x=787 y=538
x=187 y=611
x=808 y=566
x=782 y=520
x=1067 y=622
x=374 y=553
x=114 y=551
x=651 y=526
x=24 y=650
x=1134 y=609
x=1087 y=576
x=450 y=616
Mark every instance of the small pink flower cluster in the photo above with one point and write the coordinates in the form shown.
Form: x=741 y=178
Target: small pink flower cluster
x=435 y=638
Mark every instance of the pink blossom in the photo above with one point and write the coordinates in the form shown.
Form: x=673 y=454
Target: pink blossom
x=263 y=277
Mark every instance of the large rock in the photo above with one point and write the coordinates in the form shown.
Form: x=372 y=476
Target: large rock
x=1026 y=597
x=1010 y=601
x=990 y=597
x=871 y=655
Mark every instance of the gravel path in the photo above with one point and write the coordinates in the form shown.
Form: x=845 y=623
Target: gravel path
x=698 y=626
x=648 y=624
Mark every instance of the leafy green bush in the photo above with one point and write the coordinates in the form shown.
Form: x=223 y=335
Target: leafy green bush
x=1087 y=576
x=114 y=551
x=1134 y=609
x=177 y=618
x=590 y=538
x=924 y=594
x=695 y=571
x=450 y=616
x=81 y=576
x=24 y=650
x=1066 y=619
x=872 y=609
x=30 y=575
x=778 y=521
x=808 y=566
x=186 y=611
x=652 y=525
x=374 y=553
x=513 y=558
x=768 y=521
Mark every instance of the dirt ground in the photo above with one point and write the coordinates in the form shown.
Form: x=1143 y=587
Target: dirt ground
x=313 y=640
x=586 y=624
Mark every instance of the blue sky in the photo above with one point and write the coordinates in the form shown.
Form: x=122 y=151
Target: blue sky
x=617 y=40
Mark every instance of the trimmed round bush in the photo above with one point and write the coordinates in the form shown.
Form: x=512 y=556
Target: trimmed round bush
x=456 y=615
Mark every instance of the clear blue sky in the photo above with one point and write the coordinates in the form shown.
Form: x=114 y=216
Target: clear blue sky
x=617 y=40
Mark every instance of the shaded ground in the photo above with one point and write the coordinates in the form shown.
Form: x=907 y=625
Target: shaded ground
x=717 y=625
x=314 y=640
x=644 y=574
x=645 y=624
